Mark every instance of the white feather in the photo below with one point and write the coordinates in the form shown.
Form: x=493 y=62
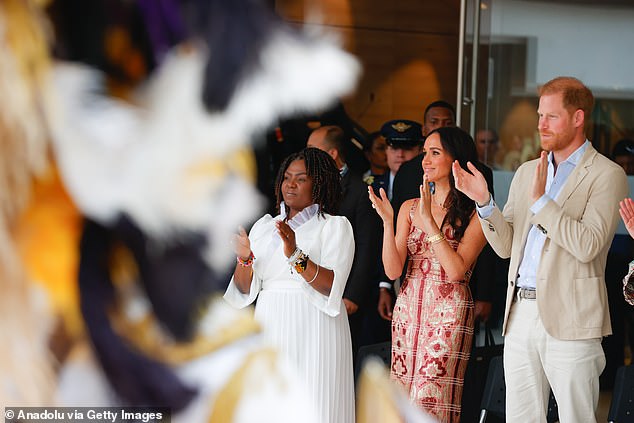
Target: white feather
x=141 y=159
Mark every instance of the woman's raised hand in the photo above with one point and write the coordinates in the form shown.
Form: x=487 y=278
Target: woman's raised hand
x=626 y=209
x=473 y=184
x=381 y=204
x=424 y=205
x=241 y=244
x=288 y=237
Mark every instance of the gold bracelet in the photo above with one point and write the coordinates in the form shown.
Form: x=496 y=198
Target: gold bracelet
x=314 y=277
x=434 y=239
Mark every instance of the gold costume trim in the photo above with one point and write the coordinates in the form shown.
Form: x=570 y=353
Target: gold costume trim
x=258 y=367
x=145 y=334
x=376 y=400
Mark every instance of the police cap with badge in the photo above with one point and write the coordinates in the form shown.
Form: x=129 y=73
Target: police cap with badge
x=401 y=133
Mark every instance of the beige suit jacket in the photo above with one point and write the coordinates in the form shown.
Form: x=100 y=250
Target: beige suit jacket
x=579 y=226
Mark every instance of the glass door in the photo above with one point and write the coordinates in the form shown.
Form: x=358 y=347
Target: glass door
x=473 y=73
x=526 y=43
x=521 y=44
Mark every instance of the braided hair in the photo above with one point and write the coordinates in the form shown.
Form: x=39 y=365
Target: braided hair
x=322 y=170
x=460 y=146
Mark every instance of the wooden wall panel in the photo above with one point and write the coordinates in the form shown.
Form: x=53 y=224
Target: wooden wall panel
x=403 y=72
x=430 y=16
x=408 y=49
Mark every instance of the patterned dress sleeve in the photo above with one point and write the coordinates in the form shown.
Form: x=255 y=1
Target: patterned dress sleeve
x=628 y=284
x=336 y=243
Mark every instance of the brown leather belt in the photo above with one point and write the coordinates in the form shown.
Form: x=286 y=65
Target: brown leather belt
x=526 y=293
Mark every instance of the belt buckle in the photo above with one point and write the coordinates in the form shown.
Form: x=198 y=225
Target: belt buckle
x=525 y=293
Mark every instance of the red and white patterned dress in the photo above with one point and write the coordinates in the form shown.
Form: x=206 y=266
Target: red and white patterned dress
x=432 y=329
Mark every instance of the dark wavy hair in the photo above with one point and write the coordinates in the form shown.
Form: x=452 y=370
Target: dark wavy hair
x=460 y=146
x=321 y=168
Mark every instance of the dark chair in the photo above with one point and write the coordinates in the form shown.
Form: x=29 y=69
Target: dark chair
x=622 y=404
x=494 y=396
x=383 y=350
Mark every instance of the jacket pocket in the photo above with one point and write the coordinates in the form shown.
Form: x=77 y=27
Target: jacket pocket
x=589 y=302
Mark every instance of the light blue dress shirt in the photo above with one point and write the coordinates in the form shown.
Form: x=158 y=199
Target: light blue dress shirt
x=390 y=186
x=527 y=272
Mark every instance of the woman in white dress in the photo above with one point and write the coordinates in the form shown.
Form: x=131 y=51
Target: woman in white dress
x=296 y=264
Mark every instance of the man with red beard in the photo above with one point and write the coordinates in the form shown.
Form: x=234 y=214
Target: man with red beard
x=557 y=225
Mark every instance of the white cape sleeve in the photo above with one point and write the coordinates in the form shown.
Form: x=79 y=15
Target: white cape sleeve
x=233 y=295
x=239 y=300
x=336 y=253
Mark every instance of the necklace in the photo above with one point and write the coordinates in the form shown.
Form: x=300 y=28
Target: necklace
x=442 y=204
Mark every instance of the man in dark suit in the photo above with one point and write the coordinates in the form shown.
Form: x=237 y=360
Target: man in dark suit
x=356 y=207
x=403 y=139
x=406 y=182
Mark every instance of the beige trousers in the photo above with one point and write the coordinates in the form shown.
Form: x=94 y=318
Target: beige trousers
x=534 y=362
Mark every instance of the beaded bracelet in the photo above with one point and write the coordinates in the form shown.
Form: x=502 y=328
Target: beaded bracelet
x=294 y=256
x=300 y=262
x=434 y=239
x=246 y=263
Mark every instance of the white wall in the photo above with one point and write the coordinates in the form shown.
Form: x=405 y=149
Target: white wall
x=592 y=43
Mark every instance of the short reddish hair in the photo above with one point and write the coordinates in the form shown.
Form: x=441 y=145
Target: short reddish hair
x=575 y=94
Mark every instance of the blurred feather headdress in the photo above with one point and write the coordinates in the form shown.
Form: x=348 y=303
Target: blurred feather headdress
x=25 y=365
x=165 y=170
x=167 y=160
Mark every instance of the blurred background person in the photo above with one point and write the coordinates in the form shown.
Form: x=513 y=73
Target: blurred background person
x=487 y=143
x=374 y=149
x=513 y=155
x=623 y=154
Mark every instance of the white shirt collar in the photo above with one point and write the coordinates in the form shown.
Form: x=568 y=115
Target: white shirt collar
x=300 y=218
x=575 y=157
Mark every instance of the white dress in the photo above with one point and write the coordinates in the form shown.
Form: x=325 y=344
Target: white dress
x=268 y=387
x=309 y=328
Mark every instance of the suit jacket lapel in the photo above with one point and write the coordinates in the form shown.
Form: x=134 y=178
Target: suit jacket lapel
x=577 y=175
x=345 y=182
